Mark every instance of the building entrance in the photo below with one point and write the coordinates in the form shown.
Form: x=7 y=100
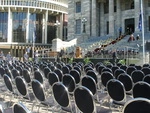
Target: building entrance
x=129 y=26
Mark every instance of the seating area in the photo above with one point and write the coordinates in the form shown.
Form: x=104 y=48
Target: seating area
x=58 y=87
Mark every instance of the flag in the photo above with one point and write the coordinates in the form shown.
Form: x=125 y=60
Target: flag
x=140 y=22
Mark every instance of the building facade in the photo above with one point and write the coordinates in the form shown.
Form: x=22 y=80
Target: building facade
x=31 y=21
x=105 y=17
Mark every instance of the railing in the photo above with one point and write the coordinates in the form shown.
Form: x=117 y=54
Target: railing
x=56 y=5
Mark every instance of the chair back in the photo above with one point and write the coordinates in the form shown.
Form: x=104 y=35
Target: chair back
x=147 y=78
x=137 y=105
x=8 y=82
x=92 y=74
x=59 y=74
x=38 y=90
x=116 y=90
x=65 y=70
x=69 y=82
x=130 y=69
x=141 y=89
x=76 y=75
x=61 y=94
x=46 y=70
x=26 y=75
x=39 y=76
x=84 y=100
x=137 y=75
x=20 y=108
x=146 y=70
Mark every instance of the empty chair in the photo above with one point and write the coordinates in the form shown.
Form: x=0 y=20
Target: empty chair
x=127 y=82
x=116 y=92
x=114 y=68
x=52 y=78
x=58 y=66
x=15 y=73
x=92 y=74
x=137 y=75
x=106 y=69
x=141 y=89
x=59 y=74
x=137 y=105
x=46 y=70
x=146 y=65
x=138 y=67
x=69 y=82
x=65 y=70
x=76 y=75
x=146 y=70
x=109 y=66
x=105 y=77
x=100 y=69
x=130 y=69
x=2 y=71
x=61 y=96
x=40 y=94
x=147 y=78
x=39 y=76
x=124 y=67
x=85 y=103
x=26 y=75
x=118 y=72
x=20 y=108
x=19 y=68
x=77 y=68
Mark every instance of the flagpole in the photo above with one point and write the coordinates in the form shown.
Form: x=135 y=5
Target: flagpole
x=143 y=40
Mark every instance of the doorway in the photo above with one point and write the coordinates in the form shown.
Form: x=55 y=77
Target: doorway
x=129 y=26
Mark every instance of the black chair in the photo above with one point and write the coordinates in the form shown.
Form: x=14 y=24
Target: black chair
x=146 y=65
x=85 y=102
x=40 y=95
x=78 y=69
x=26 y=75
x=8 y=72
x=88 y=68
x=105 y=77
x=15 y=73
x=147 y=78
x=20 y=108
x=118 y=72
x=58 y=66
x=76 y=75
x=52 y=67
x=39 y=76
x=106 y=69
x=46 y=70
x=92 y=74
x=52 y=78
x=124 y=67
x=19 y=68
x=138 y=67
x=137 y=75
x=117 y=93
x=146 y=70
x=114 y=68
x=62 y=98
x=65 y=70
x=69 y=82
x=23 y=89
x=127 y=82
x=141 y=89
x=97 y=65
x=59 y=73
x=100 y=69
x=2 y=71
x=130 y=69
x=137 y=105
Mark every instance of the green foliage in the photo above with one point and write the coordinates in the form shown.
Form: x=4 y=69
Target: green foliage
x=70 y=60
x=86 y=60
x=106 y=62
x=122 y=61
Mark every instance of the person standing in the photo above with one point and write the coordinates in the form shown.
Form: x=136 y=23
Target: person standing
x=26 y=57
x=114 y=57
x=36 y=56
x=2 y=56
x=9 y=58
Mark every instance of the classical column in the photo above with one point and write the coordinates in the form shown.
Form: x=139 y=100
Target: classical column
x=94 y=22
x=43 y=29
x=111 y=17
x=10 y=19
x=61 y=26
x=136 y=14
x=102 y=20
x=118 y=21
x=27 y=26
x=46 y=19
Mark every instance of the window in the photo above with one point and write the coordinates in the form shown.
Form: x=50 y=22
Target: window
x=78 y=7
x=78 y=26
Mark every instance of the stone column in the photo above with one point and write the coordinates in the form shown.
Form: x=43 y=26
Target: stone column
x=94 y=22
x=43 y=29
x=61 y=26
x=10 y=19
x=136 y=14
x=111 y=17
x=46 y=19
x=27 y=26
x=102 y=20
x=118 y=20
